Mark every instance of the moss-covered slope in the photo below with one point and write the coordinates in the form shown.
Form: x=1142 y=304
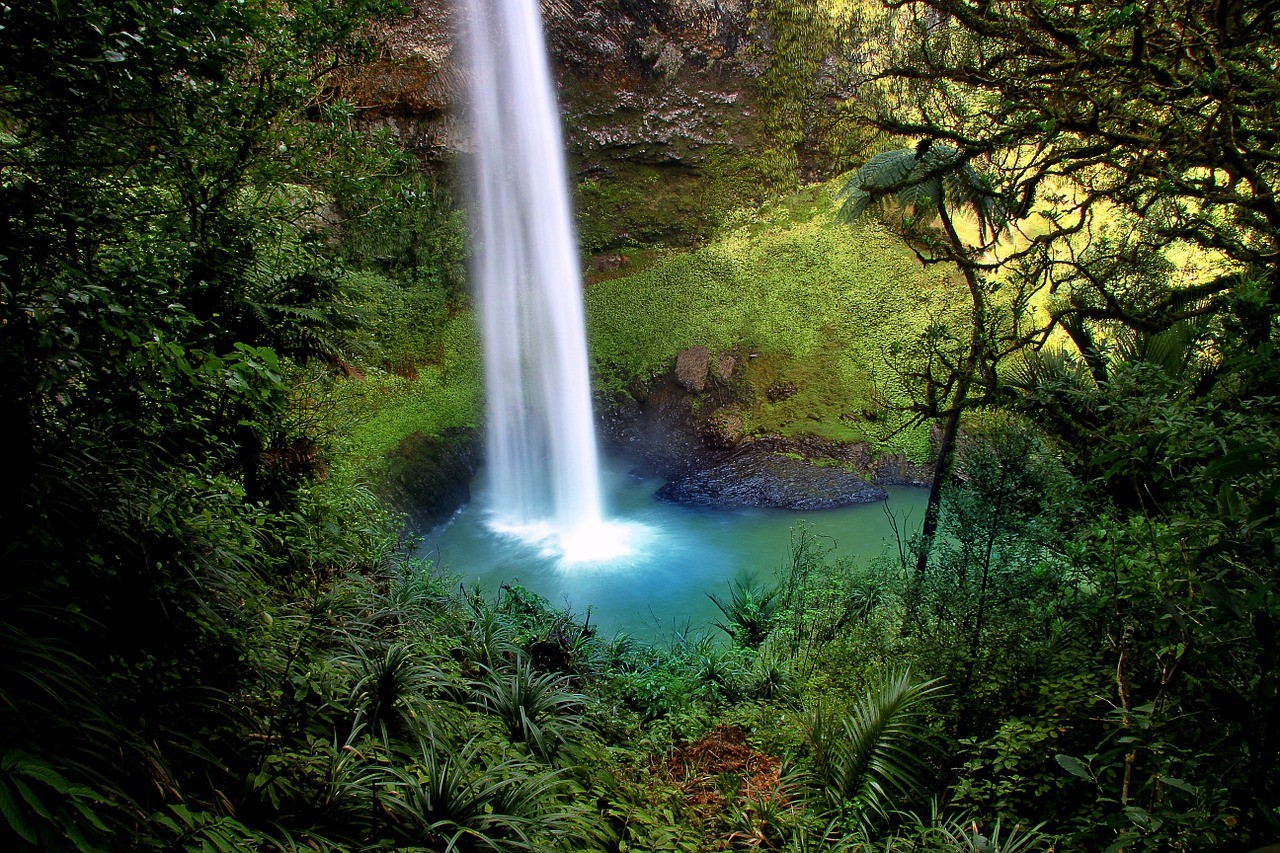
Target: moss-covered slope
x=812 y=307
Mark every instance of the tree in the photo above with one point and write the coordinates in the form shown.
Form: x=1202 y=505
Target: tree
x=1130 y=134
x=161 y=262
x=1162 y=112
x=936 y=178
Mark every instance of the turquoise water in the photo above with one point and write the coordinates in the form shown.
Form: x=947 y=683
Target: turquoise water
x=677 y=554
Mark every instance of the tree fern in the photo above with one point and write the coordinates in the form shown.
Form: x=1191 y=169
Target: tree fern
x=937 y=177
x=922 y=179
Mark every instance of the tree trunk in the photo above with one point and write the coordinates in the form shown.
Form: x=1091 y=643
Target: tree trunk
x=946 y=448
x=941 y=470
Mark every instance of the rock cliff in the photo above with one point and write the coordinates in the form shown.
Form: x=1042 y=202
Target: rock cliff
x=666 y=119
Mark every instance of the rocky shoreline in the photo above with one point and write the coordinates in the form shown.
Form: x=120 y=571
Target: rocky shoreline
x=679 y=427
x=757 y=478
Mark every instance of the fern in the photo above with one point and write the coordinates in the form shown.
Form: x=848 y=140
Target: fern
x=865 y=758
x=921 y=179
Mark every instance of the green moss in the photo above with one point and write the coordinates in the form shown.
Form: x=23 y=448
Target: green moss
x=803 y=301
x=378 y=411
x=641 y=204
x=820 y=305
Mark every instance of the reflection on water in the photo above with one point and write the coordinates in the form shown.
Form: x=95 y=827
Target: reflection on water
x=673 y=555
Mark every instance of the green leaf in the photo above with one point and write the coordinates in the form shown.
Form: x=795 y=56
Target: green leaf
x=1074 y=766
x=14 y=816
x=32 y=799
x=1180 y=785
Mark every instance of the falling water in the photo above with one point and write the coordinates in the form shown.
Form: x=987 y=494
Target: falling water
x=541 y=448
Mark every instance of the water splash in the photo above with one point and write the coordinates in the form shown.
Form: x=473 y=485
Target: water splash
x=541 y=447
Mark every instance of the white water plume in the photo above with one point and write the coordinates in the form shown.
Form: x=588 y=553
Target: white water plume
x=540 y=439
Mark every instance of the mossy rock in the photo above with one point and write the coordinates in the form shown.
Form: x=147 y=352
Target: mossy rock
x=427 y=477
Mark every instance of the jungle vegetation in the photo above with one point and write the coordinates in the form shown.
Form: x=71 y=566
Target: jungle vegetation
x=212 y=635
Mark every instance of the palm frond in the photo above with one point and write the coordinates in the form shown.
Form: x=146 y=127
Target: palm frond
x=865 y=758
x=1055 y=368
x=1172 y=351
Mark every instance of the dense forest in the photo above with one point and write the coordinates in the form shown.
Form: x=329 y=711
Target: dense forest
x=225 y=291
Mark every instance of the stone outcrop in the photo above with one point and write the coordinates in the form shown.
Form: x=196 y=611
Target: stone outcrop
x=691 y=368
x=655 y=424
x=758 y=478
x=684 y=427
x=410 y=89
x=656 y=81
x=670 y=107
x=695 y=440
x=429 y=477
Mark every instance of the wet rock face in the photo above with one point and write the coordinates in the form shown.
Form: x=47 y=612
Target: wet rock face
x=648 y=81
x=763 y=479
x=429 y=476
x=655 y=82
x=658 y=428
x=685 y=427
x=672 y=125
x=646 y=38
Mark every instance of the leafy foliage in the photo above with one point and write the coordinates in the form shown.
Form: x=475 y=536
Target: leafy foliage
x=538 y=710
x=748 y=612
x=210 y=637
x=506 y=806
x=867 y=758
x=922 y=180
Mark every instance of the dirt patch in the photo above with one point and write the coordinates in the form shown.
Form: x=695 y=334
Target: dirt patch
x=722 y=769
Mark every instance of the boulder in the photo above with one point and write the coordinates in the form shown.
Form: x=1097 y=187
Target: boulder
x=722 y=430
x=692 y=368
x=725 y=366
x=608 y=261
x=780 y=391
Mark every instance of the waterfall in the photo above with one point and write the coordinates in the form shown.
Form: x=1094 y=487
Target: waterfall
x=540 y=440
